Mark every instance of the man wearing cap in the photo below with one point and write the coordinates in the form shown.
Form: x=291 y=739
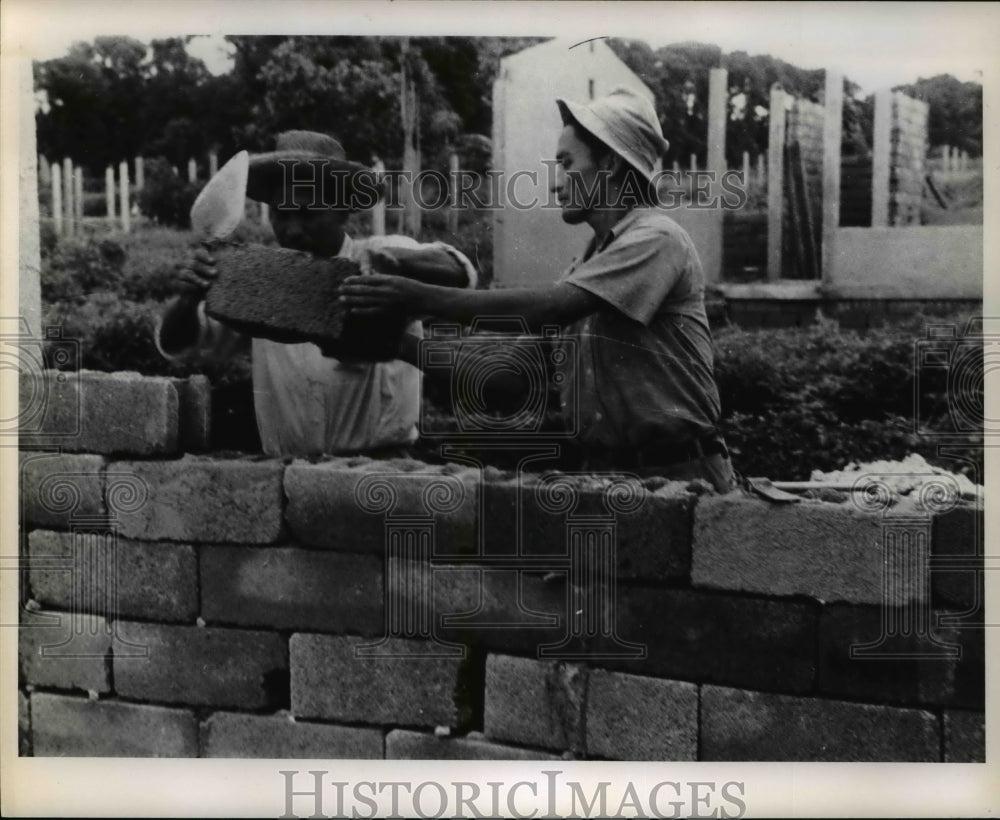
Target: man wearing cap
x=633 y=302
x=307 y=403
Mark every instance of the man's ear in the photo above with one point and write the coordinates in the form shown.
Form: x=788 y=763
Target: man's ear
x=612 y=162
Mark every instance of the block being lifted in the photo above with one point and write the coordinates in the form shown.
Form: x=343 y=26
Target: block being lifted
x=291 y=297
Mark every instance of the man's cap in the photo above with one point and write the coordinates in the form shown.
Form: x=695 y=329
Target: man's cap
x=626 y=122
x=300 y=157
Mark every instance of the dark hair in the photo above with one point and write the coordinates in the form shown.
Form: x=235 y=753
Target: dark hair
x=642 y=188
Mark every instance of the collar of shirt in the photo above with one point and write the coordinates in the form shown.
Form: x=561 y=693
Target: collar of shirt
x=616 y=230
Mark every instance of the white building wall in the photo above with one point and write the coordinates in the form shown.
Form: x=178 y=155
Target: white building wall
x=534 y=245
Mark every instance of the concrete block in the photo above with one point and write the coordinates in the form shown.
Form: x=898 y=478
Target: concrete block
x=502 y=610
x=402 y=744
x=120 y=577
x=652 y=541
x=203 y=667
x=630 y=717
x=55 y=487
x=65 y=651
x=233 y=734
x=964 y=737
x=194 y=396
x=124 y=413
x=895 y=677
x=23 y=724
x=957 y=550
x=289 y=588
x=830 y=552
x=197 y=499
x=535 y=703
x=403 y=687
x=290 y=296
x=707 y=637
x=742 y=725
x=349 y=504
x=78 y=727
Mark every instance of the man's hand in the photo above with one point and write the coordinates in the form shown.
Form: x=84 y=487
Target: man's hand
x=380 y=293
x=197 y=273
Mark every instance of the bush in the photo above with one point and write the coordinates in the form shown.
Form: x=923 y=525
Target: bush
x=795 y=400
x=165 y=197
x=72 y=268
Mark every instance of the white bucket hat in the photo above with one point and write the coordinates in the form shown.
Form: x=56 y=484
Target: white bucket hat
x=626 y=122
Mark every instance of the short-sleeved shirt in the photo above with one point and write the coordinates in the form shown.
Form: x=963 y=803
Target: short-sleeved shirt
x=310 y=404
x=645 y=361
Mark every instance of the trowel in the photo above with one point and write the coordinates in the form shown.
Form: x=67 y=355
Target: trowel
x=219 y=207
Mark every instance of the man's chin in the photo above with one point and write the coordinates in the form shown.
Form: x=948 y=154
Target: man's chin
x=573 y=216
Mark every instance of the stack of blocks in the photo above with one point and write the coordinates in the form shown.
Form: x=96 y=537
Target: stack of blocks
x=351 y=608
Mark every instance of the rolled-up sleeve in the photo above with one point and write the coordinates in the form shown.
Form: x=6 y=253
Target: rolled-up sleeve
x=399 y=241
x=636 y=271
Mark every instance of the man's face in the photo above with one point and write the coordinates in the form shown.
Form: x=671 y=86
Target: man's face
x=577 y=176
x=319 y=231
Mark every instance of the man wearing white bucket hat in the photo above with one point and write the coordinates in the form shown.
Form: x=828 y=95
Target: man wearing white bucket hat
x=308 y=403
x=633 y=302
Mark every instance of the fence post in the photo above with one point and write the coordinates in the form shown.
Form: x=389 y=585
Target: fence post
x=57 y=203
x=68 y=209
x=265 y=214
x=78 y=195
x=109 y=194
x=453 y=198
x=44 y=171
x=378 y=212
x=881 y=152
x=746 y=170
x=775 y=179
x=124 y=196
x=192 y=170
x=213 y=164
x=140 y=176
x=832 y=132
x=761 y=170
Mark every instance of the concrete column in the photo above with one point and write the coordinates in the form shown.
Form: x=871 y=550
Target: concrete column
x=718 y=98
x=68 y=210
x=881 y=157
x=775 y=179
x=746 y=170
x=265 y=214
x=109 y=194
x=78 y=197
x=832 y=131
x=44 y=171
x=213 y=164
x=123 y=194
x=28 y=256
x=57 y=203
x=192 y=170
x=378 y=212
x=761 y=170
x=140 y=175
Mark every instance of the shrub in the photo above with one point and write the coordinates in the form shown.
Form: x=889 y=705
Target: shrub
x=800 y=399
x=165 y=197
x=72 y=268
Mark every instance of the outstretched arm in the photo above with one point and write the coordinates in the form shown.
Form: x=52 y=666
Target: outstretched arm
x=557 y=304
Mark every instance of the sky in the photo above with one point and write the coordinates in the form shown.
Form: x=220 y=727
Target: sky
x=877 y=45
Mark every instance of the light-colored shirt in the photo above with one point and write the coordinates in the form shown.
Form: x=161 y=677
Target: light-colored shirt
x=645 y=359
x=310 y=404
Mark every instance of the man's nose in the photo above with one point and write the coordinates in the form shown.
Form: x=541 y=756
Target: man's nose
x=558 y=179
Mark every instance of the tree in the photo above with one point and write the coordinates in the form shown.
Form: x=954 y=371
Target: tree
x=956 y=111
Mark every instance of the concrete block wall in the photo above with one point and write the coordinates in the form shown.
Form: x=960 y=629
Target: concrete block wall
x=907 y=159
x=184 y=605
